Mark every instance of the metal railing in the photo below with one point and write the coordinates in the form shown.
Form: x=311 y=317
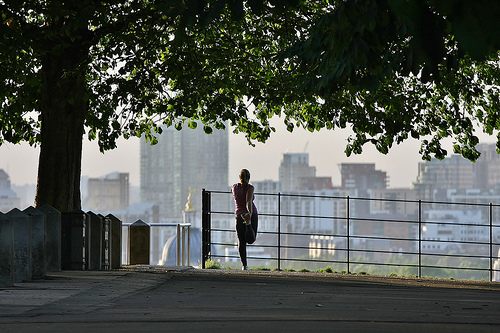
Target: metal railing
x=414 y=236
x=183 y=233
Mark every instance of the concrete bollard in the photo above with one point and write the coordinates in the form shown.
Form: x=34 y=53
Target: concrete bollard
x=22 y=245
x=105 y=242
x=115 y=242
x=139 y=243
x=94 y=242
x=38 y=257
x=52 y=237
x=73 y=240
x=6 y=251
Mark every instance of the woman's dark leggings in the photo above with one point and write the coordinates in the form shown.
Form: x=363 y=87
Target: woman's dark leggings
x=240 y=231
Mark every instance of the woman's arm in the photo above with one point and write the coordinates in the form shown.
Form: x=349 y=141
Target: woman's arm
x=249 y=198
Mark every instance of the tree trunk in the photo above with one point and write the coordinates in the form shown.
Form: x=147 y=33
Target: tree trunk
x=64 y=106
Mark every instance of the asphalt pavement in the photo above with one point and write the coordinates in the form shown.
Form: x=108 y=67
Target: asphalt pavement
x=186 y=299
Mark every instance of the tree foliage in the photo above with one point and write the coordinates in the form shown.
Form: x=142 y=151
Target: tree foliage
x=145 y=62
x=398 y=69
x=388 y=69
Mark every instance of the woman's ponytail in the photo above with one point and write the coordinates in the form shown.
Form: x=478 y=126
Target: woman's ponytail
x=244 y=178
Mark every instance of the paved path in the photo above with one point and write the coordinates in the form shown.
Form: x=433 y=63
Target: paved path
x=193 y=300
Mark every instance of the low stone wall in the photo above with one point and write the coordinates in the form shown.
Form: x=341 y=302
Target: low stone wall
x=40 y=240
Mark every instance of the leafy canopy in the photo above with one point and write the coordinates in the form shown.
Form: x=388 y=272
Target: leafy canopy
x=389 y=69
x=398 y=69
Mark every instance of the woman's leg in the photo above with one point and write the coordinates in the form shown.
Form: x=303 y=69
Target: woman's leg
x=251 y=232
x=255 y=223
x=242 y=244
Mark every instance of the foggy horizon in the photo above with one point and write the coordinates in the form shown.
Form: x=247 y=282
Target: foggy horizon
x=325 y=149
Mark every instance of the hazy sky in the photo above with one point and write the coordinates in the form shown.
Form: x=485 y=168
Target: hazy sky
x=325 y=148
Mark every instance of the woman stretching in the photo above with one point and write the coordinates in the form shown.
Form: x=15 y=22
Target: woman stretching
x=246 y=215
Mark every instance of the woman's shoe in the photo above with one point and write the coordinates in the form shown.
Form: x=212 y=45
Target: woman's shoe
x=244 y=268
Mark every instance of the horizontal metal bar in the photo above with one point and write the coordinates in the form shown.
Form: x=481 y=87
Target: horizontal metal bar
x=299 y=195
x=184 y=225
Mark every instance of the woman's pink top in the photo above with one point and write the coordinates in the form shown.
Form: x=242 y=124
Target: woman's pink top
x=240 y=199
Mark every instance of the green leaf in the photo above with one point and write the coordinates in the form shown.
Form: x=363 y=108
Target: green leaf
x=207 y=129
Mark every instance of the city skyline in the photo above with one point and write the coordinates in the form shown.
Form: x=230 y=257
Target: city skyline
x=325 y=149
x=182 y=163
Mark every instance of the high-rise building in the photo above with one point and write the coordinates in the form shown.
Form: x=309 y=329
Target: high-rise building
x=438 y=179
x=437 y=176
x=395 y=201
x=267 y=205
x=315 y=183
x=362 y=176
x=487 y=167
x=8 y=198
x=108 y=193
x=183 y=162
x=293 y=168
x=26 y=194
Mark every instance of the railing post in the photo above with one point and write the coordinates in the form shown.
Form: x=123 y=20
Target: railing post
x=178 y=243
x=189 y=245
x=348 y=235
x=183 y=232
x=491 y=241
x=279 y=231
x=419 y=238
x=205 y=227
